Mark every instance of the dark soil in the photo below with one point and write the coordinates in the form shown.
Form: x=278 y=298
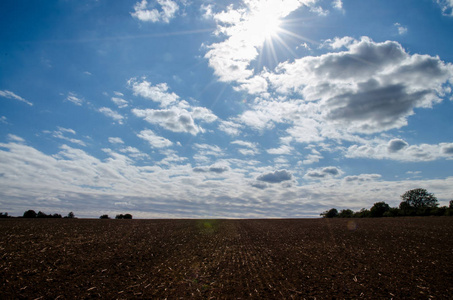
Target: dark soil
x=399 y=258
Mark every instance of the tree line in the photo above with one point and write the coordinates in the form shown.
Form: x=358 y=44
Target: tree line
x=416 y=202
x=31 y=214
x=120 y=216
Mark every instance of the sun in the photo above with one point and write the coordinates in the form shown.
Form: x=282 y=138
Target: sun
x=263 y=26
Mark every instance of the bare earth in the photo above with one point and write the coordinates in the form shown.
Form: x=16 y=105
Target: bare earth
x=279 y=259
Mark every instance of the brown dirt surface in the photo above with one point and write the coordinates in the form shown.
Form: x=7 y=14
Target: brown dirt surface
x=399 y=258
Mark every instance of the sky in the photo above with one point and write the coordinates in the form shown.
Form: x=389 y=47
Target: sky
x=223 y=109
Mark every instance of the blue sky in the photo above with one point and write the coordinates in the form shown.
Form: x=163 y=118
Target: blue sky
x=176 y=109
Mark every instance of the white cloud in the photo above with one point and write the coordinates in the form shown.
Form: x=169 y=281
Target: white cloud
x=231 y=58
x=157 y=93
x=72 y=97
x=446 y=6
x=134 y=152
x=215 y=168
x=230 y=127
x=84 y=184
x=401 y=29
x=15 y=138
x=314 y=157
x=362 y=178
x=116 y=140
x=174 y=119
x=112 y=114
x=60 y=134
x=249 y=148
x=400 y=150
x=154 y=140
x=338 y=4
x=177 y=115
x=202 y=113
x=121 y=103
x=326 y=172
x=282 y=150
x=11 y=95
x=275 y=177
x=338 y=43
x=167 y=11
x=369 y=88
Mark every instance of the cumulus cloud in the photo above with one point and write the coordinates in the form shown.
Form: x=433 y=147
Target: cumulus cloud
x=446 y=6
x=166 y=12
x=209 y=150
x=400 y=150
x=174 y=119
x=314 y=157
x=158 y=93
x=116 y=140
x=112 y=114
x=275 y=177
x=218 y=169
x=230 y=127
x=370 y=87
x=11 y=95
x=247 y=148
x=61 y=133
x=78 y=179
x=176 y=115
x=282 y=150
x=362 y=178
x=121 y=103
x=396 y=145
x=134 y=152
x=154 y=140
x=338 y=4
x=401 y=29
x=231 y=58
x=326 y=172
x=72 y=97
x=259 y=185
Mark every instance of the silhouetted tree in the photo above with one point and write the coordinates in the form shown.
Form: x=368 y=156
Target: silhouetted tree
x=379 y=209
x=56 y=216
x=332 y=213
x=41 y=215
x=392 y=212
x=70 y=215
x=29 y=214
x=346 y=213
x=4 y=215
x=363 y=213
x=104 y=217
x=121 y=216
x=451 y=204
x=418 y=198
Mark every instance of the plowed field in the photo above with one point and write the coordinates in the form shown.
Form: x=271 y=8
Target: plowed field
x=267 y=259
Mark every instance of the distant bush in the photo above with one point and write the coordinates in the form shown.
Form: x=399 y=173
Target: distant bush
x=70 y=215
x=346 y=213
x=332 y=213
x=30 y=214
x=121 y=216
x=379 y=209
x=4 y=215
x=104 y=217
x=363 y=213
